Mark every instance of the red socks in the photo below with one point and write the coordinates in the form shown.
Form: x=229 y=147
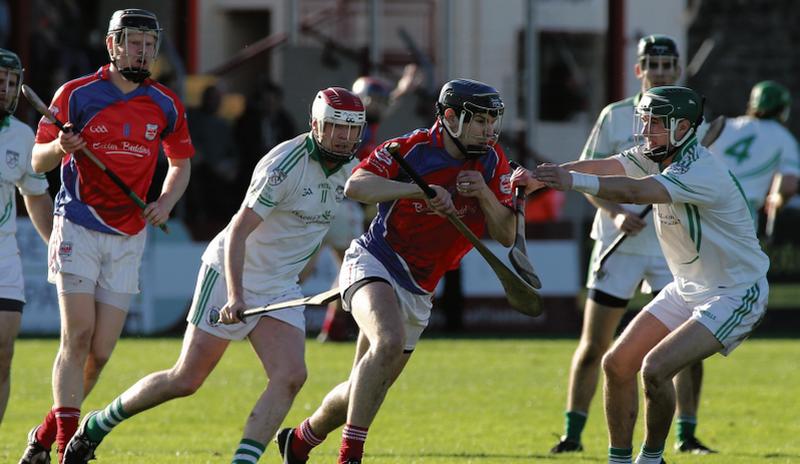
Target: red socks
x=353 y=438
x=67 y=421
x=304 y=440
x=46 y=434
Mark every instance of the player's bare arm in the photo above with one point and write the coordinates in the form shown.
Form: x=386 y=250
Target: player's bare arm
x=499 y=219
x=40 y=210
x=47 y=156
x=366 y=187
x=174 y=185
x=245 y=222
x=620 y=189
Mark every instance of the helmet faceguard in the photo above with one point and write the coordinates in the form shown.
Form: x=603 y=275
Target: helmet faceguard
x=337 y=123
x=375 y=94
x=136 y=38
x=11 y=74
x=669 y=105
x=770 y=100
x=658 y=59
x=479 y=110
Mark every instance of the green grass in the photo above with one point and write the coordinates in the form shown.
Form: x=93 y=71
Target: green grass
x=483 y=401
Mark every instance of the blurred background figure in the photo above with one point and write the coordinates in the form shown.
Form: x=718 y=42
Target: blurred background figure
x=264 y=123
x=761 y=152
x=210 y=199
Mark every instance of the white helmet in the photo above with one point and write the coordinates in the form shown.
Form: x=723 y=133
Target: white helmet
x=340 y=107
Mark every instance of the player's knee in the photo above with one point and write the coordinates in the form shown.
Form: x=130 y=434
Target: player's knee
x=292 y=379
x=653 y=374
x=590 y=353
x=390 y=344
x=185 y=384
x=76 y=343
x=615 y=367
x=98 y=360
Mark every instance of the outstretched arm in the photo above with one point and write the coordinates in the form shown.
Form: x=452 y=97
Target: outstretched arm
x=620 y=189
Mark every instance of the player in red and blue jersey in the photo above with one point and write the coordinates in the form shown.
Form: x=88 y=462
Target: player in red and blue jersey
x=389 y=273
x=98 y=237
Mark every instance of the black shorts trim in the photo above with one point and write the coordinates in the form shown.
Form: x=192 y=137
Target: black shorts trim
x=347 y=295
x=14 y=306
x=602 y=298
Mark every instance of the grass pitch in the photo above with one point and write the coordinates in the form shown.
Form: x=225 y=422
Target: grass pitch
x=483 y=401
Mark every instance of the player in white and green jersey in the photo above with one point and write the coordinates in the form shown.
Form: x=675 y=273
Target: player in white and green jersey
x=16 y=173
x=254 y=261
x=759 y=149
x=719 y=292
x=637 y=262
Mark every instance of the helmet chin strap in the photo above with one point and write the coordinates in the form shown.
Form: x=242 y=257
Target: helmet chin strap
x=136 y=75
x=469 y=151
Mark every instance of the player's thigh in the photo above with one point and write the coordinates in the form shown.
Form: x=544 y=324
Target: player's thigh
x=600 y=322
x=200 y=353
x=279 y=346
x=9 y=328
x=109 y=321
x=78 y=316
x=640 y=336
x=684 y=346
x=376 y=310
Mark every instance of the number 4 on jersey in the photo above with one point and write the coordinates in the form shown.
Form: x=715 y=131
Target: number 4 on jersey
x=740 y=150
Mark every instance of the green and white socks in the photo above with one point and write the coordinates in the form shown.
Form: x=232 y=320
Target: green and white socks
x=649 y=455
x=101 y=423
x=248 y=452
x=620 y=455
x=685 y=427
x=574 y=423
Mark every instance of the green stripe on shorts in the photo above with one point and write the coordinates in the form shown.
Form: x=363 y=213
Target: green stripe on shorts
x=738 y=315
x=209 y=279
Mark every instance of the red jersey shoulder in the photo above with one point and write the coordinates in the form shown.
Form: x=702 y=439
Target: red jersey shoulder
x=169 y=94
x=380 y=162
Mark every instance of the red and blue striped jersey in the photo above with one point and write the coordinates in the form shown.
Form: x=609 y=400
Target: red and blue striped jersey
x=126 y=132
x=416 y=246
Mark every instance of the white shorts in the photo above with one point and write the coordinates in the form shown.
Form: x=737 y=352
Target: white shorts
x=211 y=294
x=347 y=225
x=624 y=272
x=110 y=260
x=731 y=317
x=12 y=285
x=359 y=264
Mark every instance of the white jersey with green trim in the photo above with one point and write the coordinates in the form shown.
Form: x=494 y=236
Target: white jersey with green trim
x=16 y=143
x=754 y=150
x=297 y=197
x=612 y=134
x=706 y=232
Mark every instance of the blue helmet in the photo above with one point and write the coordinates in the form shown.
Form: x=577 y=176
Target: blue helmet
x=468 y=98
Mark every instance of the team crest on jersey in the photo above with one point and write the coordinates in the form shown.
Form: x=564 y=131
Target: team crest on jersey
x=276 y=177
x=339 y=193
x=12 y=159
x=384 y=157
x=150 y=131
x=65 y=249
x=505 y=183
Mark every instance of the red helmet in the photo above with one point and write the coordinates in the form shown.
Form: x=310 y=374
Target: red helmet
x=337 y=107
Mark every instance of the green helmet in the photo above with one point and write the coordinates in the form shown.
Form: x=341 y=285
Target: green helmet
x=769 y=100
x=671 y=103
x=656 y=45
x=10 y=62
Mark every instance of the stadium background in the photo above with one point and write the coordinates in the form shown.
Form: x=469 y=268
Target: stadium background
x=556 y=63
